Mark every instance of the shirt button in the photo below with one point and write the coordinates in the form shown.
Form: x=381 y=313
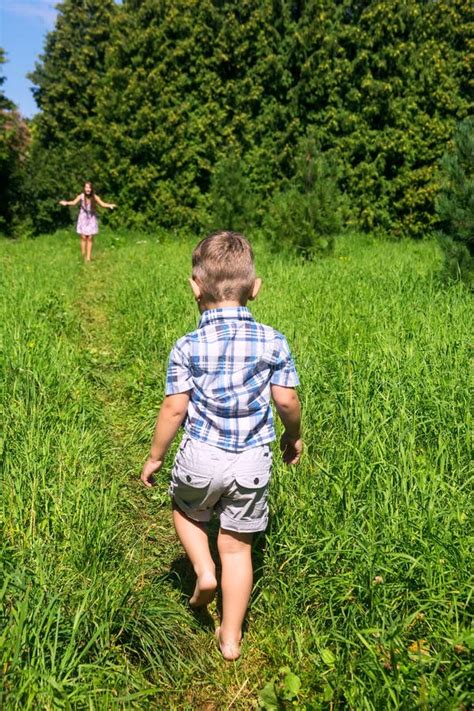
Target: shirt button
x=256 y=480
x=188 y=478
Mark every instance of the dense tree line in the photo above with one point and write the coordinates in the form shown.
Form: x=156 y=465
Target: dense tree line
x=151 y=98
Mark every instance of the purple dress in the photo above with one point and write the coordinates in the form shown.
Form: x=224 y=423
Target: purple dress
x=87 y=223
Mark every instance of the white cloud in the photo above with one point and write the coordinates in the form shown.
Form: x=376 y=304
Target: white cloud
x=43 y=10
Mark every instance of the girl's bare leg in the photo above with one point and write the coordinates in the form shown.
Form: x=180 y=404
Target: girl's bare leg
x=193 y=537
x=89 y=248
x=83 y=245
x=235 y=551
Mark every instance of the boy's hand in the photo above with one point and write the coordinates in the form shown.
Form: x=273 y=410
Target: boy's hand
x=291 y=449
x=150 y=467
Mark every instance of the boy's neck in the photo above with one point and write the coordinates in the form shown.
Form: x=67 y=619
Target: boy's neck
x=219 y=305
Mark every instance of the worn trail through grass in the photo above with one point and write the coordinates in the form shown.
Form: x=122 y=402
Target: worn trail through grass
x=158 y=552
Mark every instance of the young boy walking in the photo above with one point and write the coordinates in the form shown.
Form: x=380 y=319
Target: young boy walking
x=220 y=381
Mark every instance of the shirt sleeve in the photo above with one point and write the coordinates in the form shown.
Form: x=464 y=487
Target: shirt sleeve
x=178 y=375
x=284 y=370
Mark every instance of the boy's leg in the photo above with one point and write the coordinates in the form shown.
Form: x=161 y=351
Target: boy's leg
x=235 y=551
x=193 y=537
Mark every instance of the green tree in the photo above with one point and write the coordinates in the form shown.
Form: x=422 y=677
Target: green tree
x=14 y=139
x=455 y=203
x=186 y=82
x=231 y=204
x=5 y=103
x=67 y=80
x=151 y=96
x=306 y=215
x=385 y=86
x=156 y=103
x=70 y=71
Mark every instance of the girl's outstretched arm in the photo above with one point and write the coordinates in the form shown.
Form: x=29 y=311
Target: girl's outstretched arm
x=100 y=202
x=71 y=202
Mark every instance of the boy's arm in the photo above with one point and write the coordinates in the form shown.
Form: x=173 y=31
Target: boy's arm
x=171 y=415
x=289 y=409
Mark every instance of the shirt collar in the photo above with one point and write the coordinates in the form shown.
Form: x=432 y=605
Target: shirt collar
x=228 y=313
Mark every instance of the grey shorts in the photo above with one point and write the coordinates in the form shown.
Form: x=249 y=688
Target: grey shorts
x=205 y=479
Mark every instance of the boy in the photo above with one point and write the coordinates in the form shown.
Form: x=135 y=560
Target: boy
x=220 y=380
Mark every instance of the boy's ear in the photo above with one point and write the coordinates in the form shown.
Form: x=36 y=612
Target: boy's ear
x=196 y=289
x=255 y=288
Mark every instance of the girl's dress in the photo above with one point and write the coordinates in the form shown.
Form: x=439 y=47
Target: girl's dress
x=87 y=223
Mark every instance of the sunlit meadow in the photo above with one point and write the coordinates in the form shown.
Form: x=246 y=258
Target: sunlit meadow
x=362 y=595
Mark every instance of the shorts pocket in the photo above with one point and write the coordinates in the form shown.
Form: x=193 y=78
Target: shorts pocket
x=189 y=489
x=187 y=479
x=250 y=494
x=252 y=480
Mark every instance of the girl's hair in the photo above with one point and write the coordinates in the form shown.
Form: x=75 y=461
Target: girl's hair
x=90 y=197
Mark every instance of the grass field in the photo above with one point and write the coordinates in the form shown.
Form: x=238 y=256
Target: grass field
x=363 y=594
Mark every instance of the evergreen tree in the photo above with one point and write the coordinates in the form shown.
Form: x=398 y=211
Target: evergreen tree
x=305 y=215
x=158 y=97
x=185 y=83
x=14 y=139
x=150 y=96
x=385 y=87
x=70 y=71
x=67 y=80
x=231 y=204
x=455 y=203
x=4 y=102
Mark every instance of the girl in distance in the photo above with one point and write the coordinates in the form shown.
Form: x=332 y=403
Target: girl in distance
x=87 y=223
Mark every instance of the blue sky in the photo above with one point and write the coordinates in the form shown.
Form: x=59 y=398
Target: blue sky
x=23 y=27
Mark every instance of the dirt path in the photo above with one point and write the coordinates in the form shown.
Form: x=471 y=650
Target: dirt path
x=111 y=379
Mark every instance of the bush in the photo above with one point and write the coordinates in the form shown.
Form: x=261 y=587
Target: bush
x=306 y=217
x=231 y=206
x=455 y=204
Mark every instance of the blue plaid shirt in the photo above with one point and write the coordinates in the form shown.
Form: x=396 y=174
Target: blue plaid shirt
x=228 y=364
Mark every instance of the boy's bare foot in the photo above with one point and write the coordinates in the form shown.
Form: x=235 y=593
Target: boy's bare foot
x=206 y=585
x=229 y=650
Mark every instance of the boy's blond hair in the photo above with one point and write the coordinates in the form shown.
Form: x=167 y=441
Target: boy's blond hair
x=223 y=266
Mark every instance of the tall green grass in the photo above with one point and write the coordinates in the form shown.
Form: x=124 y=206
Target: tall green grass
x=80 y=628
x=363 y=587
